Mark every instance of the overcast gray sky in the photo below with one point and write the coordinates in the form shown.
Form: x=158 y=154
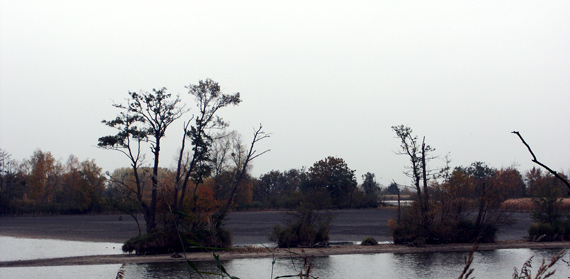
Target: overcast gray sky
x=326 y=78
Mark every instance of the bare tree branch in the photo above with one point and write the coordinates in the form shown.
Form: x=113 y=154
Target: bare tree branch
x=258 y=135
x=535 y=160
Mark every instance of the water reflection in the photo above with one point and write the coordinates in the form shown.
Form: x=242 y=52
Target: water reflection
x=488 y=264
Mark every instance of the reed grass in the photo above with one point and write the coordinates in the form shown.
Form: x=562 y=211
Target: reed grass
x=527 y=205
x=467 y=269
x=121 y=273
x=544 y=270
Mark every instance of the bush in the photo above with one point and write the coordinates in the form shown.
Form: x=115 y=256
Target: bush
x=369 y=241
x=306 y=228
x=453 y=231
x=402 y=235
x=212 y=237
x=160 y=242
x=155 y=243
x=487 y=233
x=541 y=231
x=547 y=210
x=418 y=242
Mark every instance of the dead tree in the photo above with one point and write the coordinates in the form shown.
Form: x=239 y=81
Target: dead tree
x=418 y=155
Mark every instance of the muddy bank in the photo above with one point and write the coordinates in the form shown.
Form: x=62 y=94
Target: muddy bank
x=247 y=227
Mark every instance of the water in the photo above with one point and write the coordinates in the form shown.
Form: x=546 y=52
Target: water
x=30 y=249
x=15 y=248
x=108 y=271
x=487 y=264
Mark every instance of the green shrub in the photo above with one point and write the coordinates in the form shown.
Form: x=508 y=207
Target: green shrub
x=548 y=232
x=369 y=241
x=212 y=237
x=453 y=231
x=487 y=233
x=538 y=229
x=160 y=242
x=306 y=228
x=154 y=243
x=401 y=235
x=418 y=242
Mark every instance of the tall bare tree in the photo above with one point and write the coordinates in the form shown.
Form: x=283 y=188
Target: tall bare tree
x=209 y=100
x=145 y=118
x=240 y=172
x=418 y=155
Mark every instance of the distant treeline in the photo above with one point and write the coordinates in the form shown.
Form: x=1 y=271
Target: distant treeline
x=43 y=185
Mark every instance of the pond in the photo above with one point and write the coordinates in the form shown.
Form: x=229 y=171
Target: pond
x=16 y=248
x=487 y=264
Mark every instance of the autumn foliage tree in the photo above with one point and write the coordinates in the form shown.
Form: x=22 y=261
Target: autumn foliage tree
x=143 y=122
x=43 y=184
x=546 y=195
x=199 y=164
x=83 y=185
x=459 y=206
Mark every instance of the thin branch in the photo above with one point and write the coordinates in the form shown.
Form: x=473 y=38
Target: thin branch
x=258 y=135
x=535 y=160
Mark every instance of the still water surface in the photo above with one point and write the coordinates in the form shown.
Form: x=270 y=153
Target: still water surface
x=16 y=248
x=488 y=264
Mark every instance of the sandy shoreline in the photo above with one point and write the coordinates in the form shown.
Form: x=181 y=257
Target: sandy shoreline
x=242 y=253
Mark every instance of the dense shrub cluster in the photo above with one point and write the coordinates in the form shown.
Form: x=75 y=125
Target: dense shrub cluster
x=540 y=231
x=451 y=231
x=161 y=241
x=154 y=243
x=462 y=232
x=305 y=228
x=369 y=241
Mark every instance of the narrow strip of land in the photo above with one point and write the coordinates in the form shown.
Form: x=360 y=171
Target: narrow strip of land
x=283 y=253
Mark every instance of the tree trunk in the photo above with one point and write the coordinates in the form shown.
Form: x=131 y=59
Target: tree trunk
x=152 y=211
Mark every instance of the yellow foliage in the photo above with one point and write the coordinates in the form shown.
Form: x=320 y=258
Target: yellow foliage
x=391 y=223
